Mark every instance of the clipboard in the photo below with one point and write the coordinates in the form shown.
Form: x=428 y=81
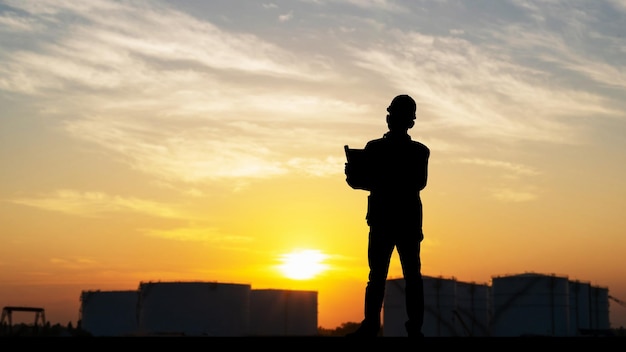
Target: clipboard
x=354 y=156
x=357 y=168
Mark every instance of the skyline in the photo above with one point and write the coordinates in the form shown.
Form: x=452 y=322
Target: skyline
x=185 y=140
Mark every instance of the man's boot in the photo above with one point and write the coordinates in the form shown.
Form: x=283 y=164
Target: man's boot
x=367 y=329
x=413 y=330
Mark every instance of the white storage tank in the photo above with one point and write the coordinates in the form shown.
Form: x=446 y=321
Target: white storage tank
x=194 y=308
x=439 y=307
x=276 y=312
x=530 y=305
x=109 y=313
x=473 y=309
x=394 y=314
x=579 y=307
x=600 y=319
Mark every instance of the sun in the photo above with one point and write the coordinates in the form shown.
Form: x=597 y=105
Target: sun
x=303 y=264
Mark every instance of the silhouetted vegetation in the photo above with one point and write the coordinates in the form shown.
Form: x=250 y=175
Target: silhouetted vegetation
x=342 y=330
x=619 y=332
x=348 y=327
x=58 y=330
x=46 y=330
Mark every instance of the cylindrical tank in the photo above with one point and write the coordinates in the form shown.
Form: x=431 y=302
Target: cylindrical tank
x=276 y=312
x=530 y=305
x=473 y=302
x=579 y=307
x=394 y=312
x=439 y=307
x=194 y=308
x=109 y=313
x=599 y=301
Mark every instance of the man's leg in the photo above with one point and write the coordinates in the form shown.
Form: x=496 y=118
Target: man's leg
x=379 y=251
x=409 y=253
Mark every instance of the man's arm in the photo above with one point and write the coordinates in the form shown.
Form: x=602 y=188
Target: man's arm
x=423 y=169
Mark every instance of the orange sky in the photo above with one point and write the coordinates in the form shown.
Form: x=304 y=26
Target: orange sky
x=178 y=140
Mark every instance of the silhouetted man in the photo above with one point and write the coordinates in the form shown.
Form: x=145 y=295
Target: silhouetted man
x=395 y=172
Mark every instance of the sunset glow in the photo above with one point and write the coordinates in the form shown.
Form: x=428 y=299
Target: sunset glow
x=167 y=140
x=302 y=264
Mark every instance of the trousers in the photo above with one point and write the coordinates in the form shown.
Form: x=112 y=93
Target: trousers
x=407 y=241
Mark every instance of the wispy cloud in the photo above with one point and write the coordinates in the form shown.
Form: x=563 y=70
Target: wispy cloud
x=387 y=5
x=111 y=77
x=479 y=91
x=270 y=5
x=184 y=99
x=517 y=169
x=286 y=17
x=11 y=23
x=199 y=234
x=111 y=40
x=96 y=204
x=74 y=263
x=512 y=195
x=567 y=54
x=509 y=172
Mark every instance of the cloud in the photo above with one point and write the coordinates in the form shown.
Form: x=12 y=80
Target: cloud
x=512 y=171
x=198 y=234
x=378 y=5
x=201 y=154
x=11 y=22
x=182 y=99
x=471 y=88
x=511 y=195
x=111 y=41
x=286 y=17
x=517 y=169
x=180 y=104
x=96 y=204
x=619 y=5
x=78 y=263
x=573 y=56
x=317 y=167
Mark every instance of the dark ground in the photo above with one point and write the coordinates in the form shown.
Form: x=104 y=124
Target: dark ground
x=322 y=344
